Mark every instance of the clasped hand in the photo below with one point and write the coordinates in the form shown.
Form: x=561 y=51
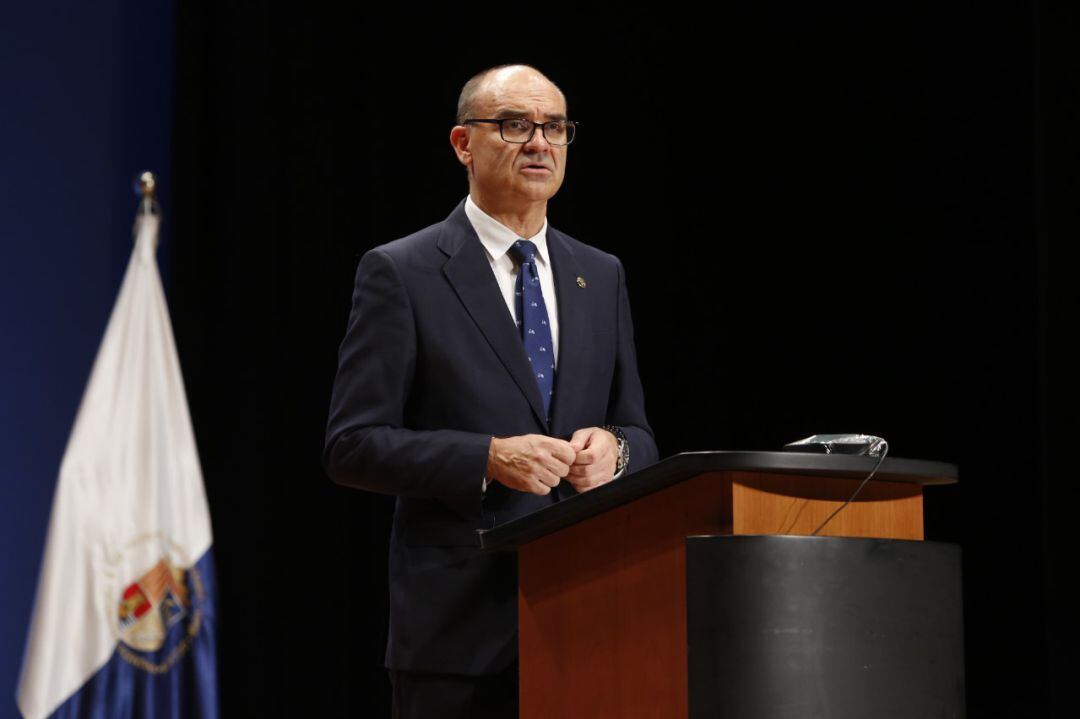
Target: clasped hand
x=536 y=463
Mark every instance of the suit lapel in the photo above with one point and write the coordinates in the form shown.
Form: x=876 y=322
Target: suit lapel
x=469 y=273
x=573 y=302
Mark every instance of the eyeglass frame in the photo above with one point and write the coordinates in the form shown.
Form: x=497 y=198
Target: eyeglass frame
x=532 y=134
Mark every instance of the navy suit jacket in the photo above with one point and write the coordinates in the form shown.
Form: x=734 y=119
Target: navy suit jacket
x=431 y=367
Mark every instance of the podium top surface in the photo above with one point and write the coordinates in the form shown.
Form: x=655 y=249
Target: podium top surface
x=679 y=467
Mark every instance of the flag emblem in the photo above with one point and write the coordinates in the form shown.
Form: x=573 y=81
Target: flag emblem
x=159 y=612
x=151 y=606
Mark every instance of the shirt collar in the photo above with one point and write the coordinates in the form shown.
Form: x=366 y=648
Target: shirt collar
x=497 y=237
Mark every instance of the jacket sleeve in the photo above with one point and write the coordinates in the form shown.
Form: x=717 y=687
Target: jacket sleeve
x=626 y=403
x=367 y=444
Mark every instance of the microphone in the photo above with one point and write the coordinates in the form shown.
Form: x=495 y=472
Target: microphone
x=866 y=444
x=851 y=444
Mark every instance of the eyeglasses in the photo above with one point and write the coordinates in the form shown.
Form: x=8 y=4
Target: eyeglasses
x=519 y=130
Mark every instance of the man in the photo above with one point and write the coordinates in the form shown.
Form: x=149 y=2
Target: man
x=488 y=370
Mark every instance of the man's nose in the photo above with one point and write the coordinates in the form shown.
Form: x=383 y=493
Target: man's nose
x=537 y=143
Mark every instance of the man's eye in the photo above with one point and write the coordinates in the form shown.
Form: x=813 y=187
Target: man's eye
x=518 y=125
x=556 y=127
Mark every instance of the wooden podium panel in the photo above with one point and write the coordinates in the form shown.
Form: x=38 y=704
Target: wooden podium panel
x=603 y=576
x=790 y=504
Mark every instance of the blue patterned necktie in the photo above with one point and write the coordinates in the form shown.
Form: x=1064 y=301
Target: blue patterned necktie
x=532 y=320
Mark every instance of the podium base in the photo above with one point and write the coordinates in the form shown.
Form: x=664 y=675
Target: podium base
x=803 y=627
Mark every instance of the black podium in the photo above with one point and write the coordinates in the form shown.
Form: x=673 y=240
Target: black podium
x=686 y=590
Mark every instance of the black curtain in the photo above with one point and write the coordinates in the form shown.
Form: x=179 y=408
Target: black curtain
x=840 y=216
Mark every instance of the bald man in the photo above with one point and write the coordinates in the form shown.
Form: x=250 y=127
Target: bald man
x=488 y=370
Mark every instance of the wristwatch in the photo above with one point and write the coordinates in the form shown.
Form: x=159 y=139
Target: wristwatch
x=624 y=448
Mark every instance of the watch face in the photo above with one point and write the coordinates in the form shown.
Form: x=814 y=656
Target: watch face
x=623 y=446
x=624 y=455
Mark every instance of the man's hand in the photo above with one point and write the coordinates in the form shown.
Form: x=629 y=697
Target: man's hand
x=597 y=456
x=529 y=463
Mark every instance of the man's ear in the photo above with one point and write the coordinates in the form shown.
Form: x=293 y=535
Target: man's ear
x=459 y=140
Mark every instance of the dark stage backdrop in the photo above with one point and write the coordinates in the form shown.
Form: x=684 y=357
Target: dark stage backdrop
x=834 y=217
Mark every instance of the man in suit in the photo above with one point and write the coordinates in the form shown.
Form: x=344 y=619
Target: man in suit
x=488 y=370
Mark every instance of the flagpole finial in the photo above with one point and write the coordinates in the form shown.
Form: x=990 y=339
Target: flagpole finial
x=146 y=185
x=146 y=188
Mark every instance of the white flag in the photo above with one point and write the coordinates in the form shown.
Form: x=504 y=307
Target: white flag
x=123 y=623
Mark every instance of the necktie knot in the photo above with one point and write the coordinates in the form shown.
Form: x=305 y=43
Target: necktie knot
x=523 y=251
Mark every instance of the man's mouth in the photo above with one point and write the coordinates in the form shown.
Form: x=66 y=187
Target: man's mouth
x=535 y=167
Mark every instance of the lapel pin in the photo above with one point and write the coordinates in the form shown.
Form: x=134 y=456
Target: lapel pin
x=581 y=282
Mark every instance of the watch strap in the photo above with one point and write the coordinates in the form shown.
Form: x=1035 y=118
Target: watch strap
x=624 y=448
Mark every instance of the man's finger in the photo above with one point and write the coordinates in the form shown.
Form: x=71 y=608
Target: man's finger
x=586 y=457
x=580 y=438
x=596 y=453
x=551 y=479
x=601 y=434
x=588 y=484
x=587 y=475
x=563 y=451
x=555 y=465
x=578 y=475
x=539 y=488
x=557 y=468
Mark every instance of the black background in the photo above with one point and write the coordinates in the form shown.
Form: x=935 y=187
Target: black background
x=836 y=216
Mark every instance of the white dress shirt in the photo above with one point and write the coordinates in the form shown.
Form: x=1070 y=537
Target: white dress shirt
x=497 y=239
